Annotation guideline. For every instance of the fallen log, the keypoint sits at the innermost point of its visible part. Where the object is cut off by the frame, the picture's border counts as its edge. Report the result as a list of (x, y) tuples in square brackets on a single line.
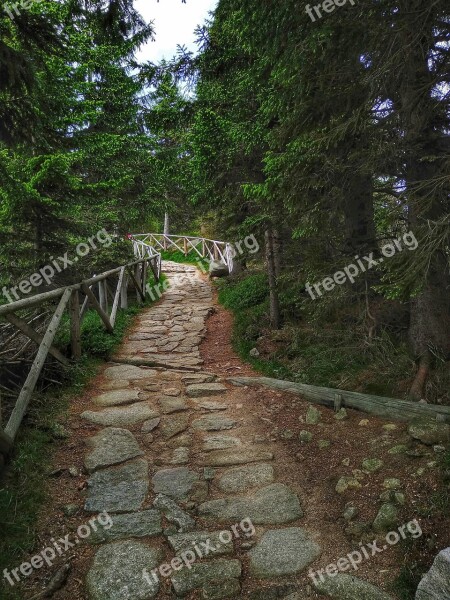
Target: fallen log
[(389, 408)]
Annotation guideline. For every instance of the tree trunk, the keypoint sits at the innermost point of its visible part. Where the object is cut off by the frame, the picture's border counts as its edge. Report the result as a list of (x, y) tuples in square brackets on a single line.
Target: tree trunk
[(275, 320), (166, 223), (430, 309), (277, 247)]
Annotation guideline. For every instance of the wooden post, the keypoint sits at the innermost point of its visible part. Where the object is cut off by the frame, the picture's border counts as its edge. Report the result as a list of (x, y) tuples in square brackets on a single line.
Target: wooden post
[(137, 280), (105, 293), (117, 297), (124, 293), (95, 303), (101, 295), (144, 275), (75, 328), (25, 394), (185, 247), (203, 248), (140, 294)]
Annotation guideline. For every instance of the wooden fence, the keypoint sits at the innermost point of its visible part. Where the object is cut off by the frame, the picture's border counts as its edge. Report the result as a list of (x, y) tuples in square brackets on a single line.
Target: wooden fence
[(98, 294), (212, 250), (387, 408)]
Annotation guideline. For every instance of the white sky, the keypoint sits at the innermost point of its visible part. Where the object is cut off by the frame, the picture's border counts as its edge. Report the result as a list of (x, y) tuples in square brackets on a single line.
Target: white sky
[(174, 23)]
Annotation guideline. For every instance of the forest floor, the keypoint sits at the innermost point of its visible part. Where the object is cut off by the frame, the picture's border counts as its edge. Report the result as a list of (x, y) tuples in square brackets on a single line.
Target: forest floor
[(174, 453)]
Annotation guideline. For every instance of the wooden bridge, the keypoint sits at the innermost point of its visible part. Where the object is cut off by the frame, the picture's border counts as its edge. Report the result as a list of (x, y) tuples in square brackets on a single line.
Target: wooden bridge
[(110, 288), (211, 250)]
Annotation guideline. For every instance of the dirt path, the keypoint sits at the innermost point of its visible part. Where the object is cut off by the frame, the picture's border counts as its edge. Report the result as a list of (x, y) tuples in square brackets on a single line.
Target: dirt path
[(186, 486)]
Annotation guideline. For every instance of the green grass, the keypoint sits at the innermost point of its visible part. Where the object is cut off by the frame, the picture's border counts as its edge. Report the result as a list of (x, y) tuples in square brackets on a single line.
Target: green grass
[(191, 259), (95, 340), (248, 299)]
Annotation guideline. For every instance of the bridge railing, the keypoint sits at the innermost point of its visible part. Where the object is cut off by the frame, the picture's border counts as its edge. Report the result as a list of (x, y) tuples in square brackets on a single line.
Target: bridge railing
[(69, 298), (211, 250)]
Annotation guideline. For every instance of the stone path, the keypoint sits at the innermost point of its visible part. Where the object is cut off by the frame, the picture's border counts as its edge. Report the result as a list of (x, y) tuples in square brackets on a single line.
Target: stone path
[(197, 507)]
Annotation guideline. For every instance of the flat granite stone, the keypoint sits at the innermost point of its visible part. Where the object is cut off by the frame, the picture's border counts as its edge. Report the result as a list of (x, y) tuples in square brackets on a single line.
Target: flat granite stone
[(429, 432), (114, 384), (117, 417), (111, 446), (210, 405), (146, 523), (183, 440), (218, 591), (175, 483), (171, 426), (197, 378), (348, 587), (436, 583), (234, 456), (118, 489), (198, 390), (186, 541), (282, 552), (129, 372), (244, 478), (200, 574), (116, 572), (172, 391), (174, 514), (116, 397), (220, 442), (213, 423), (150, 425), (275, 593), (271, 505), (171, 404)]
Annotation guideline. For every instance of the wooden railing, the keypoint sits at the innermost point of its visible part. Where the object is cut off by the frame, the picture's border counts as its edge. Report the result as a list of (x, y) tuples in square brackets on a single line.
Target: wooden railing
[(209, 249), (69, 298)]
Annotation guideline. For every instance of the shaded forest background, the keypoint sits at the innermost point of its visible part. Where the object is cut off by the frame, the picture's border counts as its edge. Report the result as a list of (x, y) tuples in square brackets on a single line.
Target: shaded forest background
[(325, 140)]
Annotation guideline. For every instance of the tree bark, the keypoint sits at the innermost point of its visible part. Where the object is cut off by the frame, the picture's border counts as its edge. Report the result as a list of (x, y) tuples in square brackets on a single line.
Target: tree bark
[(166, 224), (430, 309), (275, 319)]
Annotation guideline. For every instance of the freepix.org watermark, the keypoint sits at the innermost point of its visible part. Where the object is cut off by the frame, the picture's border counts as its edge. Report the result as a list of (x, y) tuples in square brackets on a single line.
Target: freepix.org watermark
[(366, 551), (48, 555), (327, 6), (57, 265), (13, 10), (352, 271), (200, 549)]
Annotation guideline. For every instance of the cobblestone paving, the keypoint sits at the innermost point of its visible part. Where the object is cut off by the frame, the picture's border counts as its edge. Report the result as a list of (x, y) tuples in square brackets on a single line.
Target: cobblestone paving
[(174, 467)]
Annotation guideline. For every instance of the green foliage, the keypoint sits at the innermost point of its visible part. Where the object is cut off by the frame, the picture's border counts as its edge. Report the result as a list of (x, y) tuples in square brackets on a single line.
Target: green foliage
[(405, 585), (192, 258), (250, 291), (247, 298)]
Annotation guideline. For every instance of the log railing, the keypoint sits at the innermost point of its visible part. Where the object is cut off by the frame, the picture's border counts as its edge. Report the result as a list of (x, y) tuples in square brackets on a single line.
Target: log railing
[(95, 291), (211, 250)]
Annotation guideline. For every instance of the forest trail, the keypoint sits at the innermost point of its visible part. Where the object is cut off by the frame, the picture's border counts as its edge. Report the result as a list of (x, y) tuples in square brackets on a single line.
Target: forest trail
[(210, 476), (189, 492)]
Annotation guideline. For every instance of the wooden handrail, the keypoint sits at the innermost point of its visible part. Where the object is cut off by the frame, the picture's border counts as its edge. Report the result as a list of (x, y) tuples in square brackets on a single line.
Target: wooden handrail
[(53, 294), (213, 250), (45, 342)]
